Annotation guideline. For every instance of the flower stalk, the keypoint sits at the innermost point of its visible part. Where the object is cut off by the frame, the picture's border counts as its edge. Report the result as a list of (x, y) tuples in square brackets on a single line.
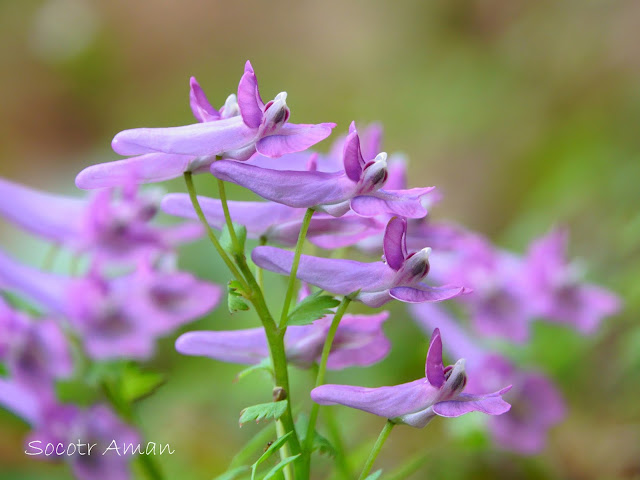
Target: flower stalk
[(382, 438)]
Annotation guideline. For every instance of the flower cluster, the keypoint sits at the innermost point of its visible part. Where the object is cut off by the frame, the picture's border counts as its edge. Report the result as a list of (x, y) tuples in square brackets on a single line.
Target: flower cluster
[(353, 199)]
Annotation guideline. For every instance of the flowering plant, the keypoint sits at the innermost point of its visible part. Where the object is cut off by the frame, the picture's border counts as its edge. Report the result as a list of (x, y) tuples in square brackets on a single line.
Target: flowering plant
[(94, 326)]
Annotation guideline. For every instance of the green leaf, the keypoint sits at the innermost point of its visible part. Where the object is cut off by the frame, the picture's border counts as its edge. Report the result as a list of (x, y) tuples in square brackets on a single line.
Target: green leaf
[(375, 475), (232, 474), (271, 473), (273, 448), (263, 411), (320, 443), (136, 384), (263, 365), (76, 391), (225, 238), (235, 299), (312, 308)]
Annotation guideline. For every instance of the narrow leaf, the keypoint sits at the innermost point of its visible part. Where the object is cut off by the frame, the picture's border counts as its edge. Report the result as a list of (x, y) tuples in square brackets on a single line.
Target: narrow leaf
[(232, 474), (263, 411), (241, 235), (312, 308), (137, 384), (274, 447), (375, 475), (271, 473), (263, 365)]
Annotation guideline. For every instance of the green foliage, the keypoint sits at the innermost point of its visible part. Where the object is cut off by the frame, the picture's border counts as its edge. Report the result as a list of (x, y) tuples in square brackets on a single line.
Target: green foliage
[(235, 297), (311, 308), (136, 384), (274, 447), (76, 391), (263, 411), (375, 475), (320, 443), (232, 474), (263, 365), (272, 473), (225, 238)]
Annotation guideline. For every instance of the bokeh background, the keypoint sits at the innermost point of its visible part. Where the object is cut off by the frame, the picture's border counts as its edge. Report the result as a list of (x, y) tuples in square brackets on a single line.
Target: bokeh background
[(525, 114)]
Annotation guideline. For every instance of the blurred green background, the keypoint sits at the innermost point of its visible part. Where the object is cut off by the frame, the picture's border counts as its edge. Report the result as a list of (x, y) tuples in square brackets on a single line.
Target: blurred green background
[(525, 114)]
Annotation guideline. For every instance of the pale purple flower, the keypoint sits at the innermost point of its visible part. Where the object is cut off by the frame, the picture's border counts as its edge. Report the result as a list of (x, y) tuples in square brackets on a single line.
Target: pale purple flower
[(119, 317), (277, 223), (416, 403), (112, 224), (54, 423), (35, 352), (557, 287), (359, 186), (537, 405), (399, 276), (241, 128), (359, 341)]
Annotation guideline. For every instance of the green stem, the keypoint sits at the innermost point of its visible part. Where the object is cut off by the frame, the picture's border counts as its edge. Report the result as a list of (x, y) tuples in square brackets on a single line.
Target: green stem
[(294, 267), (376, 449), (284, 451), (322, 370), (196, 205), (227, 217), (338, 443)]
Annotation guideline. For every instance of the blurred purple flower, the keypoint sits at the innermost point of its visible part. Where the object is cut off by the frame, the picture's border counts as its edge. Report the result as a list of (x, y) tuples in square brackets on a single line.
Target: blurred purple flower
[(35, 352), (118, 317), (113, 225), (399, 276), (358, 187), (537, 405), (359, 341), (277, 223), (237, 131), (416, 403), (558, 290)]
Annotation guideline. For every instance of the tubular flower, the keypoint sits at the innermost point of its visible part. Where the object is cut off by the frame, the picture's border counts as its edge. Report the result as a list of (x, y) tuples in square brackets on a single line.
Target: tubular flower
[(399, 276), (358, 187), (244, 126), (275, 222), (416, 403), (359, 341), (537, 405), (114, 224), (120, 317)]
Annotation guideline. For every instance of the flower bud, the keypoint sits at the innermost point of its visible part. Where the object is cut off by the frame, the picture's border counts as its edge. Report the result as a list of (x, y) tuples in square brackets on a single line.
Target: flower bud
[(374, 174), (415, 268)]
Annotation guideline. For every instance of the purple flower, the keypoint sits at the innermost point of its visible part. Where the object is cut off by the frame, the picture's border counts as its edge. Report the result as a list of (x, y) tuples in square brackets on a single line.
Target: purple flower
[(277, 223), (35, 352), (359, 341), (399, 276), (112, 224), (239, 130), (556, 286), (536, 403), (416, 403), (118, 317), (358, 187)]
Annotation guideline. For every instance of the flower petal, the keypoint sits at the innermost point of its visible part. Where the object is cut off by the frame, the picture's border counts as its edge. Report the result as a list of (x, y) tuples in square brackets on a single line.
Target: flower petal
[(387, 402), (334, 275), (149, 168), (200, 106), (235, 346), (395, 242), (249, 100), (352, 157), (359, 341), (491, 404), (293, 138), (54, 217), (434, 368), (20, 401), (425, 293), (200, 139), (404, 203), (292, 188)]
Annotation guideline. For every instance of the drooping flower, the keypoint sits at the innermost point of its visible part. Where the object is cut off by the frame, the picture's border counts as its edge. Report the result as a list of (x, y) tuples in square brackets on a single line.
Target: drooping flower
[(536, 403), (277, 223), (399, 276), (359, 341), (118, 317), (69, 427), (416, 403), (35, 352), (112, 224), (558, 290), (239, 130), (358, 187)]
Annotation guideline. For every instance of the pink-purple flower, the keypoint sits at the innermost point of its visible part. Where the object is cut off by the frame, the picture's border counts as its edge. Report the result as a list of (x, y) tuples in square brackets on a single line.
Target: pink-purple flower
[(439, 393)]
